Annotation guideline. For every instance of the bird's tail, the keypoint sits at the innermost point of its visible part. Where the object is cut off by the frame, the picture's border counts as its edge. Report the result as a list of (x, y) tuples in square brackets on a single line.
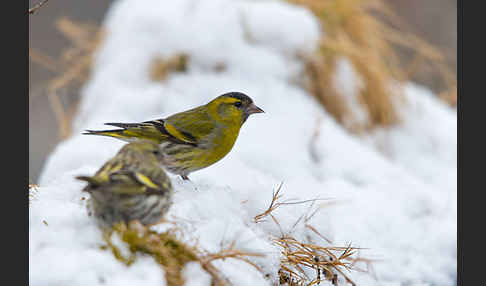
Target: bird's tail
[(130, 132), (118, 133), (91, 180)]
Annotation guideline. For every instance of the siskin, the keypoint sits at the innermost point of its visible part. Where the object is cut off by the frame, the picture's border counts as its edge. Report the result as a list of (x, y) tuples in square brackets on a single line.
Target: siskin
[(193, 139), (130, 186)]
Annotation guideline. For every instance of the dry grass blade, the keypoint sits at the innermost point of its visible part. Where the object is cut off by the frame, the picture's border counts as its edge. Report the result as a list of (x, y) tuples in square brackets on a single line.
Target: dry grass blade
[(37, 6), (311, 228)]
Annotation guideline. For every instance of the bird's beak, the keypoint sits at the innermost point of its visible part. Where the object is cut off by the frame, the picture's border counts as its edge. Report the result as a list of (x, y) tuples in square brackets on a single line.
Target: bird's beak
[(252, 108)]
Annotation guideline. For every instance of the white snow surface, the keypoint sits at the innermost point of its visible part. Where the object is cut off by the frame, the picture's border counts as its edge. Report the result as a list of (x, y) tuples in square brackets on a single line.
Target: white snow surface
[(394, 191)]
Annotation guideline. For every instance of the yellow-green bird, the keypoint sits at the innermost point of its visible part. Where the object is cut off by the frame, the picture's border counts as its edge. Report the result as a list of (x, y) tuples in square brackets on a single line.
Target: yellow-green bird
[(193, 139), (130, 186)]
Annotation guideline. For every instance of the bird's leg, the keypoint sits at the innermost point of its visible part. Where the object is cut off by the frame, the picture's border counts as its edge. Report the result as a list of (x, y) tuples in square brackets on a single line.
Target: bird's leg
[(185, 178)]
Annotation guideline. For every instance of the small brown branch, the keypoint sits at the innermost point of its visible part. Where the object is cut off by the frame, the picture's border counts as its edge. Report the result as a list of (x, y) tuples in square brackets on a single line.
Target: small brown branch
[(37, 6), (272, 207), (274, 204)]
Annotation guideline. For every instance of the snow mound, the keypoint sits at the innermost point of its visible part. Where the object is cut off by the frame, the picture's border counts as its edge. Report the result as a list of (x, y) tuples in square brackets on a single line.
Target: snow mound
[(395, 189)]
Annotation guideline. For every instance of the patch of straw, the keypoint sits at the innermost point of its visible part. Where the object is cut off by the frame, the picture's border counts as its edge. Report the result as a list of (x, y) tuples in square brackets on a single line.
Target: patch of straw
[(353, 31), (161, 67), (171, 253), (328, 262), (449, 96), (72, 68)]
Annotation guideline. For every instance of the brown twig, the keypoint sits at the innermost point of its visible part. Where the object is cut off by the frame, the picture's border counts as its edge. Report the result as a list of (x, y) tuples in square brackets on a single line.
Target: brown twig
[(37, 6), (274, 204)]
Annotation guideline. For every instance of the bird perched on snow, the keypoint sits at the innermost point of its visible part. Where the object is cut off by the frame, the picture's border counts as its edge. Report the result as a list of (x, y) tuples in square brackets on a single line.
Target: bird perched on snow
[(193, 139), (130, 186)]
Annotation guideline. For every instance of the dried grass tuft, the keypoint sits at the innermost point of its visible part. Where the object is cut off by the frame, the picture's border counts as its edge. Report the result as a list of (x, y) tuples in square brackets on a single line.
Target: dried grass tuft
[(328, 262), (161, 67), (171, 253), (70, 70), (76, 61), (366, 33), (449, 96)]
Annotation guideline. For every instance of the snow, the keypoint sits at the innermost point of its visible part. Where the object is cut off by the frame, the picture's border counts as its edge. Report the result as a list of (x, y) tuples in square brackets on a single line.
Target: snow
[(392, 192)]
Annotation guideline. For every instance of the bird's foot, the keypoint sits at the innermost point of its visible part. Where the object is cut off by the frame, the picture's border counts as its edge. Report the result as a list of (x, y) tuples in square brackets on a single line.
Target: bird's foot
[(185, 178)]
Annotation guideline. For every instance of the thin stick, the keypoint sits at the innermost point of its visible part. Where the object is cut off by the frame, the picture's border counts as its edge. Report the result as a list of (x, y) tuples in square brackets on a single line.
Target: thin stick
[(37, 6)]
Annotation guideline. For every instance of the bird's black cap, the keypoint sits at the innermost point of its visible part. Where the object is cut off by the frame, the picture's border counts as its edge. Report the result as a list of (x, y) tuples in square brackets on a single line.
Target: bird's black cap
[(238, 95)]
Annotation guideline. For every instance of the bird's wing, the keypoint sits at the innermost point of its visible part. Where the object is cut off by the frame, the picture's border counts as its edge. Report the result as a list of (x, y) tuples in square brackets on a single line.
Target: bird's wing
[(102, 176), (119, 177), (190, 126), (158, 130), (134, 182), (151, 130)]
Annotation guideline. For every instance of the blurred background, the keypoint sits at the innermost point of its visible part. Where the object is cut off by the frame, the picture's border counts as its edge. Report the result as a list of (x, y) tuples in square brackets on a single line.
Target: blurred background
[(64, 34)]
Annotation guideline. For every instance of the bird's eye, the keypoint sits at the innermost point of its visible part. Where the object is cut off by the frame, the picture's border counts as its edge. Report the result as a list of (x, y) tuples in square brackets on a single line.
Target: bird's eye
[(238, 104), (156, 152)]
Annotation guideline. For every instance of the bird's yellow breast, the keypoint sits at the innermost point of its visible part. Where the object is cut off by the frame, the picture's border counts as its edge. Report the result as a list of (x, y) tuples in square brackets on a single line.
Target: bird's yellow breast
[(220, 145)]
